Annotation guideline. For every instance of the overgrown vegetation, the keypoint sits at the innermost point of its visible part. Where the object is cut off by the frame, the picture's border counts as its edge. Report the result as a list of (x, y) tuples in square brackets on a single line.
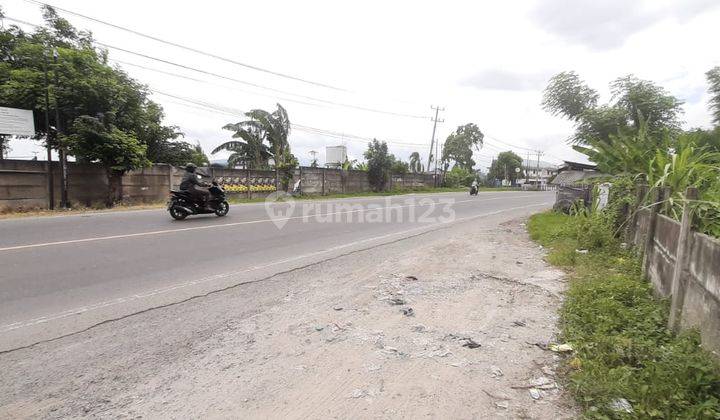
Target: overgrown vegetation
[(637, 134), (622, 348)]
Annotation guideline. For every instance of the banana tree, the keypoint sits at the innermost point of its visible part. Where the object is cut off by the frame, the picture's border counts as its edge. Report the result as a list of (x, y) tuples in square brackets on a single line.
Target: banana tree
[(415, 165)]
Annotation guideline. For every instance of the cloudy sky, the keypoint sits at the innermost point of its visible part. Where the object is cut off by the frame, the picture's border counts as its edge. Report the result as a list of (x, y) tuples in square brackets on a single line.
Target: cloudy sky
[(484, 62)]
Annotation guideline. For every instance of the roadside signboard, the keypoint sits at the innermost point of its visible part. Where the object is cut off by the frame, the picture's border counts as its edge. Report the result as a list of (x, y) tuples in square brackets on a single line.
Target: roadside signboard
[(16, 122)]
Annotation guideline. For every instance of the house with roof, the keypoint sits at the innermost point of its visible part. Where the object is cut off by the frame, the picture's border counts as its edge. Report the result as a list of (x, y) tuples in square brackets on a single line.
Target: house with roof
[(537, 173), (570, 173)]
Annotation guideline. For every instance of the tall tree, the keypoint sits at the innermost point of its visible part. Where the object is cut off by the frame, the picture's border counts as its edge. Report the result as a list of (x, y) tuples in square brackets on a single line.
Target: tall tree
[(504, 167), (567, 95), (379, 163), (459, 146), (101, 141), (633, 100), (713, 76), (87, 85)]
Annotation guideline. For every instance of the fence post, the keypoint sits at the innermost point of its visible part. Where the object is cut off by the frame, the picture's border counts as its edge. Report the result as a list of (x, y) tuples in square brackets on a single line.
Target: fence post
[(640, 192), (342, 180), (657, 197), (678, 285), (323, 181), (170, 176), (247, 183)]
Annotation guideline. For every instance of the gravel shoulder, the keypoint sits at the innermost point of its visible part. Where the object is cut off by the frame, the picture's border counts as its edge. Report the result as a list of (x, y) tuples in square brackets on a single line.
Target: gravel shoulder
[(384, 333)]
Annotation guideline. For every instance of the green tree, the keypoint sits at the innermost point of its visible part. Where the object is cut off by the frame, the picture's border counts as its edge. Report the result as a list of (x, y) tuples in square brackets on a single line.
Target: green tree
[(362, 166), (399, 167), (459, 177), (568, 96), (633, 101), (180, 153), (504, 167), (459, 146), (379, 163), (87, 86), (713, 76), (102, 142), (416, 165)]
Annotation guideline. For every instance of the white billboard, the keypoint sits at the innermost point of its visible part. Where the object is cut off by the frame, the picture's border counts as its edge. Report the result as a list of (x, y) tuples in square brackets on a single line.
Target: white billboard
[(16, 122)]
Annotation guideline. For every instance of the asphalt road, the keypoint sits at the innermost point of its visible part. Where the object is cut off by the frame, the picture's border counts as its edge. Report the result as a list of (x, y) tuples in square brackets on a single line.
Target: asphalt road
[(60, 275)]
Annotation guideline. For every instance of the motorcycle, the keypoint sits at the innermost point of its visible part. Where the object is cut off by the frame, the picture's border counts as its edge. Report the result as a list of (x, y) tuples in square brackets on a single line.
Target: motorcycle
[(183, 204), (474, 190)]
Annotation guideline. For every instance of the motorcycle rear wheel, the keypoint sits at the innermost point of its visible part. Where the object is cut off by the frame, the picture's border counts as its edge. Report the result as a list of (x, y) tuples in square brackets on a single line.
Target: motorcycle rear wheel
[(178, 213), (222, 209)]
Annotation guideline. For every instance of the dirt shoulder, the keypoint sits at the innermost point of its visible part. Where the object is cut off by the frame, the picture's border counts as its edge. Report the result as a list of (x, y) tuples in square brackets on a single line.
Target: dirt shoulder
[(335, 339)]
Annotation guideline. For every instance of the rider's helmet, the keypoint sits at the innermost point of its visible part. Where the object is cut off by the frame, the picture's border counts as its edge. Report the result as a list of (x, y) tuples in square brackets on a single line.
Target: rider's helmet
[(190, 167)]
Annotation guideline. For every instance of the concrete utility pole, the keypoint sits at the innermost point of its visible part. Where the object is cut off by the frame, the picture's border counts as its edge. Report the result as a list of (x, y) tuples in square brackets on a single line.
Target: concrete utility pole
[(50, 180), (58, 130), (432, 140), (527, 168), (537, 173)]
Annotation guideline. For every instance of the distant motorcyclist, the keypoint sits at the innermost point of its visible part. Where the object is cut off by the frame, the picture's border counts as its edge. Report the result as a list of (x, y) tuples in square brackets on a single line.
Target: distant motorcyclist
[(192, 184)]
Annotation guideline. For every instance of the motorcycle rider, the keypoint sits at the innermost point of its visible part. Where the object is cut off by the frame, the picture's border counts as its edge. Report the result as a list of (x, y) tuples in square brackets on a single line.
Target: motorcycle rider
[(191, 183)]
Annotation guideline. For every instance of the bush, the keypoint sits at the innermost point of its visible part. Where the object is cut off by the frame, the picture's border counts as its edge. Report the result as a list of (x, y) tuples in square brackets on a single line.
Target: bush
[(459, 177)]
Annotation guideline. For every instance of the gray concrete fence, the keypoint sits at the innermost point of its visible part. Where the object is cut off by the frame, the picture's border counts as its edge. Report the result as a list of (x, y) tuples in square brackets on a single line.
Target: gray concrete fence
[(23, 183)]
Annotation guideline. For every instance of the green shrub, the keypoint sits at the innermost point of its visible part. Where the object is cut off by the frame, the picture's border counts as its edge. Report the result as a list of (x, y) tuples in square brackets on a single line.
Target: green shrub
[(618, 330)]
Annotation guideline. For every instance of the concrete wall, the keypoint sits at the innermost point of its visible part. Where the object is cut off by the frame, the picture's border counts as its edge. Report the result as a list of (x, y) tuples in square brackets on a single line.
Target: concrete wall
[(700, 278), (23, 183)]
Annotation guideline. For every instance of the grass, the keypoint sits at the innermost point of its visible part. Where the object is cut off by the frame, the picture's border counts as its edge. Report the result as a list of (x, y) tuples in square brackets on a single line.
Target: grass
[(618, 330)]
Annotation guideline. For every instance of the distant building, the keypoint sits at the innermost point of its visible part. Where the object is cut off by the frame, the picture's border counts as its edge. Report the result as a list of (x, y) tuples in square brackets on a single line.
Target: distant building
[(335, 156), (570, 173), (537, 173)]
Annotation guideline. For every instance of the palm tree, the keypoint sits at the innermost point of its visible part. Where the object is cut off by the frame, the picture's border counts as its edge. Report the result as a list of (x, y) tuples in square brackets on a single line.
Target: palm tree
[(415, 165)]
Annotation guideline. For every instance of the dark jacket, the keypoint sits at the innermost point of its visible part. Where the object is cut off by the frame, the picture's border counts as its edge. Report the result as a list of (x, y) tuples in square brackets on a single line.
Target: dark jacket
[(189, 181)]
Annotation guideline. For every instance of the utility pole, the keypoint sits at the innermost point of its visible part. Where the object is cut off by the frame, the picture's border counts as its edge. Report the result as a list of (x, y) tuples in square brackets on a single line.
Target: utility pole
[(58, 130), (50, 180), (537, 177), (432, 140), (527, 168)]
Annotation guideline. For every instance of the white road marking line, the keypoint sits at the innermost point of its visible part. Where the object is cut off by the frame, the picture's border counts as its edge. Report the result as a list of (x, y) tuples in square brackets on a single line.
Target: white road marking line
[(100, 305), (166, 231)]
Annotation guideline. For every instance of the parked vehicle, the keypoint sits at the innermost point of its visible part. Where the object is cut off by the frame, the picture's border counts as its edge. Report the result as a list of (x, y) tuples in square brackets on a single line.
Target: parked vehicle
[(183, 204)]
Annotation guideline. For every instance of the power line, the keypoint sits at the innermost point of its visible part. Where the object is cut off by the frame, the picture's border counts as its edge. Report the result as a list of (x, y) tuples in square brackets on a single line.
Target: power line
[(232, 79), (508, 144), (125, 63), (195, 50), (197, 104)]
